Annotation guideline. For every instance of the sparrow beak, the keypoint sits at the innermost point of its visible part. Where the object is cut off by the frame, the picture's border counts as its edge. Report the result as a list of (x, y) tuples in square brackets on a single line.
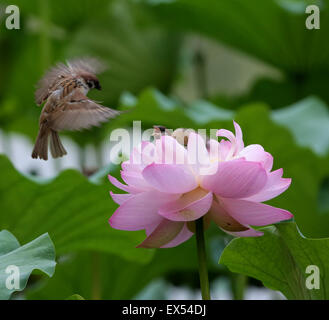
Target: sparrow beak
[(98, 86)]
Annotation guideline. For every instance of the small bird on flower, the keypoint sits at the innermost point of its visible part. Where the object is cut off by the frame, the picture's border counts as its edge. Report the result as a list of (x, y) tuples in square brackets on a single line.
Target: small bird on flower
[(180, 134), (64, 88)]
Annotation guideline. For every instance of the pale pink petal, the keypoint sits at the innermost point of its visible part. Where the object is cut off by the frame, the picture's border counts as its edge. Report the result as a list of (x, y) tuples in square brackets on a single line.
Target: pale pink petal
[(268, 162), (236, 179), (189, 207), (248, 233), (223, 219), (197, 152), (225, 150), (130, 166), (230, 136), (169, 151), (236, 140), (213, 148), (141, 156), (274, 186), (122, 186), (164, 233), (147, 149), (238, 136), (170, 178), (255, 152), (218, 151), (183, 236), (136, 180), (254, 213), (227, 134), (120, 198), (140, 211)]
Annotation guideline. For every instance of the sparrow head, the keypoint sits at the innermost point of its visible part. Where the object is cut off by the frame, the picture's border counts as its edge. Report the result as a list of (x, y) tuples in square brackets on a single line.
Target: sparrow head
[(159, 131), (91, 81)]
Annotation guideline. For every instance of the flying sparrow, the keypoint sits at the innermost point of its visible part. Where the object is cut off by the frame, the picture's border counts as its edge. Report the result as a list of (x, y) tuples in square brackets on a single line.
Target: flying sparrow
[(67, 107)]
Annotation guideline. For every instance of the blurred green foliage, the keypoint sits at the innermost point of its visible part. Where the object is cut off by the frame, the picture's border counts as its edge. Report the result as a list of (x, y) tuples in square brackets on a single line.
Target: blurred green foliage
[(73, 210), (273, 31)]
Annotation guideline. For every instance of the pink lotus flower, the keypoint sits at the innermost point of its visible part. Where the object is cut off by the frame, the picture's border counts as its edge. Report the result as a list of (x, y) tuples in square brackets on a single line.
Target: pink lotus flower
[(167, 190)]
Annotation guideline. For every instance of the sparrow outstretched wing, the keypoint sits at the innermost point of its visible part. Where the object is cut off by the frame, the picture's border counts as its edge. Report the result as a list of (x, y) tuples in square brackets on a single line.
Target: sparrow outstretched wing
[(61, 72), (79, 112)]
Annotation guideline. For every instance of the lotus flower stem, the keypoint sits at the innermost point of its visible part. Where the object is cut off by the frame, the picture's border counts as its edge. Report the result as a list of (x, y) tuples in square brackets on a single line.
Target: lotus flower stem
[(202, 259)]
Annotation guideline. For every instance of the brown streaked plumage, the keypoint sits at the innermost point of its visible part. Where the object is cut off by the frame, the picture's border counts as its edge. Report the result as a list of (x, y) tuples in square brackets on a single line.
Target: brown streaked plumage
[(64, 89)]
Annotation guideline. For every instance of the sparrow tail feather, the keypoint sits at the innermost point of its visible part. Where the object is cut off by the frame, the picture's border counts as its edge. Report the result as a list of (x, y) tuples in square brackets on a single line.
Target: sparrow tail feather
[(56, 147), (41, 145)]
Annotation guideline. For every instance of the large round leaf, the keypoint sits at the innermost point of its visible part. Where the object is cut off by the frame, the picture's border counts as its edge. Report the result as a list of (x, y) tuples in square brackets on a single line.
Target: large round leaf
[(19, 261)]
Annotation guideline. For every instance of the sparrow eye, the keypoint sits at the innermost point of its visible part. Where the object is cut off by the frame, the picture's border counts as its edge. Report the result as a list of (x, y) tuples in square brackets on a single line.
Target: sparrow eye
[(90, 84)]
